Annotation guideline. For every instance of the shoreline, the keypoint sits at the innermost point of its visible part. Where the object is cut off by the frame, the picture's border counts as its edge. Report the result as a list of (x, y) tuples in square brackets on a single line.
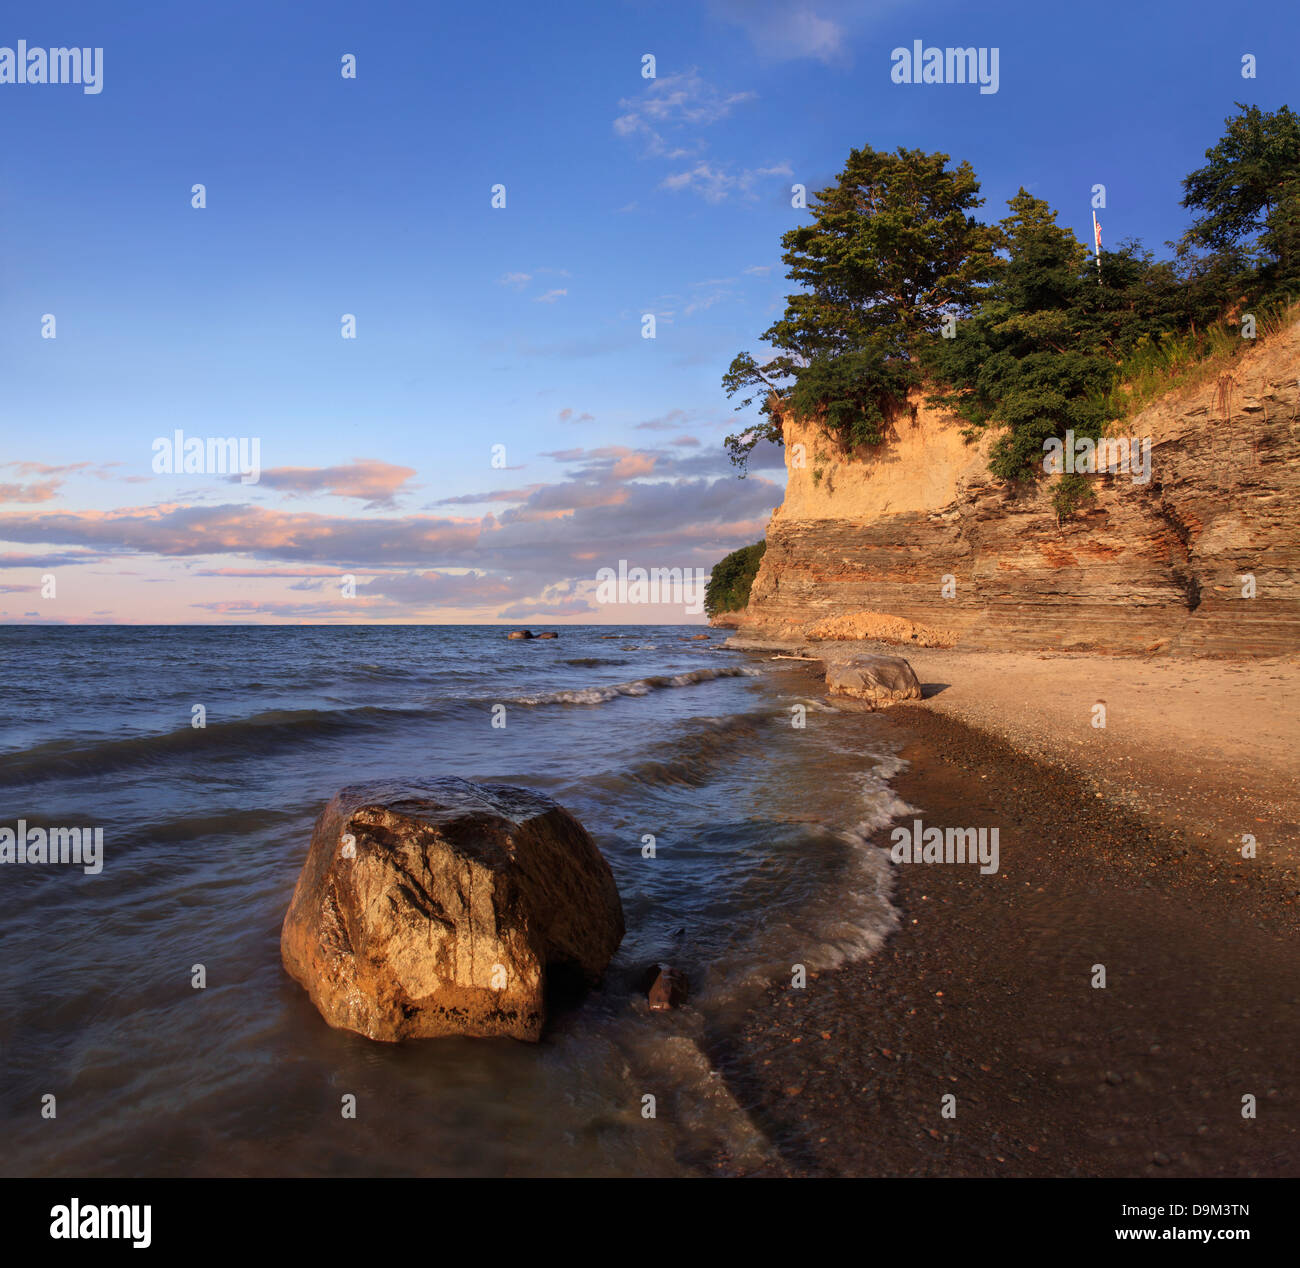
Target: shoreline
[(986, 989)]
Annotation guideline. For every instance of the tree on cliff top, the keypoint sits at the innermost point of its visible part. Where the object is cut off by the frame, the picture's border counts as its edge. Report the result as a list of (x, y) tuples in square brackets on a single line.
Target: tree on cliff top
[(1041, 352), (1028, 357), (891, 249), (1248, 195)]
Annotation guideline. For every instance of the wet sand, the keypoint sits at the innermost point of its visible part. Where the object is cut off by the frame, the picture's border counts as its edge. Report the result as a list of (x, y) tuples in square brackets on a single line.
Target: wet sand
[(986, 992)]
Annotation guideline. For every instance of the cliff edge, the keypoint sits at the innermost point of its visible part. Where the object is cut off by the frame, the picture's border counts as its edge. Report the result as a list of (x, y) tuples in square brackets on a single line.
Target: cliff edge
[(917, 530)]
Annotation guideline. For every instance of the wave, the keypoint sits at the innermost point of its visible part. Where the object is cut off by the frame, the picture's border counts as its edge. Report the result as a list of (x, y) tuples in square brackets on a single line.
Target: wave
[(698, 750), (639, 687), (259, 733)]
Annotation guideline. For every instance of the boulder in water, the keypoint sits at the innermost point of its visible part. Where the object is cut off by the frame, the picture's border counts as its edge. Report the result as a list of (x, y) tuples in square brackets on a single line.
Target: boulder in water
[(443, 908), (550, 635), (520, 634), (878, 680)]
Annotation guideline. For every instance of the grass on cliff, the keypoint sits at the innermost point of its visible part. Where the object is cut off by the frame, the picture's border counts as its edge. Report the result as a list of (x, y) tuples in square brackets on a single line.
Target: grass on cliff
[(1158, 366)]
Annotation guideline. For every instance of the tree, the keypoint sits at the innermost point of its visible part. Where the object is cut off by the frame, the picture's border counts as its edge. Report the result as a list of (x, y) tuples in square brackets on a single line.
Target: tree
[(891, 249), (1248, 196), (732, 579), (1028, 358)]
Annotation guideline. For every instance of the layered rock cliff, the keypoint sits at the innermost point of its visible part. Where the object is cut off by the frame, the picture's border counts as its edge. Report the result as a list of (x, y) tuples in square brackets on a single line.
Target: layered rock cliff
[(917, 528)]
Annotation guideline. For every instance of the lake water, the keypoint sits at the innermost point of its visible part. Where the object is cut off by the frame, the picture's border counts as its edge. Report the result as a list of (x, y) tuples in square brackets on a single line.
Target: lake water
[(762, 863)]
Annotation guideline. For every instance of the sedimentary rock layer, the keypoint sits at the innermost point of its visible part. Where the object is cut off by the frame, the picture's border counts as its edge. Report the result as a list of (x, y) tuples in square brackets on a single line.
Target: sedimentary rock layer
[(918, 528)]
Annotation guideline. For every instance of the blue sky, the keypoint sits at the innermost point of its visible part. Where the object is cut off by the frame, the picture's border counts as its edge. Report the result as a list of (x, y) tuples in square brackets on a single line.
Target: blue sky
[(476, 326)]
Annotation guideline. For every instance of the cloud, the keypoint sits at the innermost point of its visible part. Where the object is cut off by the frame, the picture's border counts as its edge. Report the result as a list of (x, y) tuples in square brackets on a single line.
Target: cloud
[(517, 280), (494, 495), (282, 610), (716, 182), (36, 491), (551, 296), (569, 416), (443, 589), (676, 506), (786, 30), (266, 572), (45, 468), (673, 103), (180, 531), (368, 480), (670, 421), (64, 559), (540, 607)]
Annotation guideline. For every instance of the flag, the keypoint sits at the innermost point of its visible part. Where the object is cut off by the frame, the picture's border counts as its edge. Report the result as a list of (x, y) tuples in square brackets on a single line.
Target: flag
[(1096, 231)]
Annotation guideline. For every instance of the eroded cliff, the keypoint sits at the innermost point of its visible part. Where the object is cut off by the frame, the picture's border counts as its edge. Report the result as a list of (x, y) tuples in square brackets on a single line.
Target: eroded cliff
[(917, 528)]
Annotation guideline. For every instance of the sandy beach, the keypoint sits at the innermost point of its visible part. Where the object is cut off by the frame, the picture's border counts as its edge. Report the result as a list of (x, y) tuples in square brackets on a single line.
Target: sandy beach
[(1119, 847)]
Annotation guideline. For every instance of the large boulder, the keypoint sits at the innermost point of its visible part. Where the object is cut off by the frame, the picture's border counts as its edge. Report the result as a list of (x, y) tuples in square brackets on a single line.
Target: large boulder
[(440, 908), (878, 680)]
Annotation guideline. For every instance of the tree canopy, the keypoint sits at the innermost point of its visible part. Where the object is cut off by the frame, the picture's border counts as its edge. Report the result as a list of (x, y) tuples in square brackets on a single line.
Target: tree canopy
[(1009, 324), (892, 246)]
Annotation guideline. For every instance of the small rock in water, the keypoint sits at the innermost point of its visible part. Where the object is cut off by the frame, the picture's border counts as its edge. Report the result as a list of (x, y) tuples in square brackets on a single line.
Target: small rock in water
[(520, 634), (550, 635), (668, 988)]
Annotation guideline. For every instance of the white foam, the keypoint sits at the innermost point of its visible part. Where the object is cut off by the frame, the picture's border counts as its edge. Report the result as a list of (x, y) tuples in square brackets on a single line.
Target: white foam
[(640, 687)]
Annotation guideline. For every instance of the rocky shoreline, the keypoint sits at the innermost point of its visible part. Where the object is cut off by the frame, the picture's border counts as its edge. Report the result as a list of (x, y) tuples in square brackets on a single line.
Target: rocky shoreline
[(987, 993)]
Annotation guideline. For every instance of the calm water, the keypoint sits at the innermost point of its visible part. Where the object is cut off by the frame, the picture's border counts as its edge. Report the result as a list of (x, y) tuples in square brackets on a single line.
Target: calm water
[(762, 863)]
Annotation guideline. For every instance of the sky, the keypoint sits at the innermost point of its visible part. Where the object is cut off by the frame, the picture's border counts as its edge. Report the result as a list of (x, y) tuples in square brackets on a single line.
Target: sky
[(499, 429)]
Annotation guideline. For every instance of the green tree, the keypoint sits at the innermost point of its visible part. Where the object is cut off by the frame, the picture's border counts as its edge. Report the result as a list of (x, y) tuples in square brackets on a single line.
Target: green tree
[(1248, 197), (893, 246), (1031, 357), (731, 580)]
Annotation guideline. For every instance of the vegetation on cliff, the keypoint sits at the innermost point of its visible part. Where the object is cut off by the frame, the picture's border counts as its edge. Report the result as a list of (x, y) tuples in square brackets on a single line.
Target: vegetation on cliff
[(729, 585), (1016, 324)]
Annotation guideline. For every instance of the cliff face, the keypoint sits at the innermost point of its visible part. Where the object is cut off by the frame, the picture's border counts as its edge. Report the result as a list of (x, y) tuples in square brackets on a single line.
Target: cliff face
[(1145, 564)]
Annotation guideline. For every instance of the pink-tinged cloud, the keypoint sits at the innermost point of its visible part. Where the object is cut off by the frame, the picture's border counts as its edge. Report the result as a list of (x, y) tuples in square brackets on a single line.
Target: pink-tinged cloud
[(46, 468), (37, 491), (368, 480), (250, 530)]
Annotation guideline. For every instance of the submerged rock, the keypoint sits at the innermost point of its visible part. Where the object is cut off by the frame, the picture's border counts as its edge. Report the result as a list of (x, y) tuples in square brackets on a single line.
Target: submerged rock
[(442, 908), (520, 634), (549, 635), (667, 988), (879, 680)]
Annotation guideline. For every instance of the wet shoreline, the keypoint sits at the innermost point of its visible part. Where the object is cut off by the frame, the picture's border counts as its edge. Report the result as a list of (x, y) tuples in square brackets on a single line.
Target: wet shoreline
[(987, 994)]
